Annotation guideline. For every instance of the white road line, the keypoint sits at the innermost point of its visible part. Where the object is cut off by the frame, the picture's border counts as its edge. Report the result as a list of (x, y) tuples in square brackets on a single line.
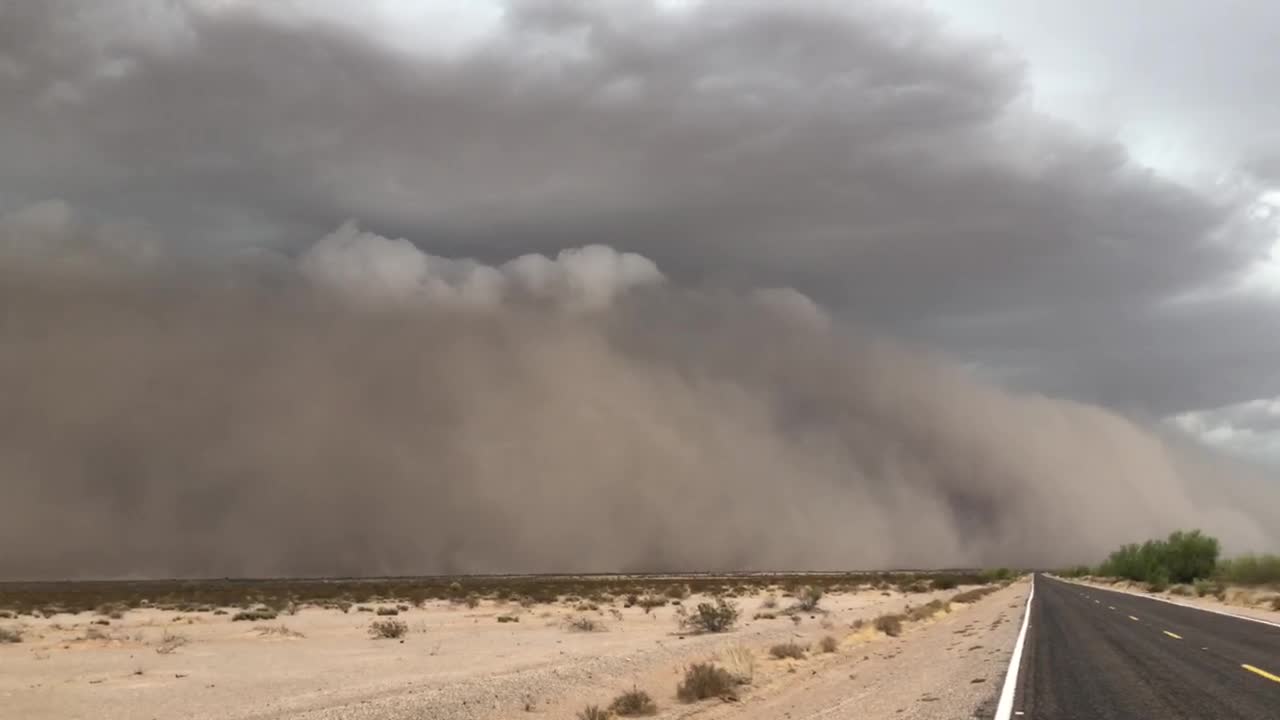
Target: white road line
[(1004, 710), (1179, 604)]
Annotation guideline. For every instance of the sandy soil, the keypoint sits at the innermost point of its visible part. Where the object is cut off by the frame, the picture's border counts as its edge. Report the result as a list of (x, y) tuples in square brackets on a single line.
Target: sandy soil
[(459, 663)]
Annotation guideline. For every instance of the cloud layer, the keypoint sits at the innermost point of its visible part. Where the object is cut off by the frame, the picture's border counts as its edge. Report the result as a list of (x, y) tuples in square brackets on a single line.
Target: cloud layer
[(597, 293), (208, 428)]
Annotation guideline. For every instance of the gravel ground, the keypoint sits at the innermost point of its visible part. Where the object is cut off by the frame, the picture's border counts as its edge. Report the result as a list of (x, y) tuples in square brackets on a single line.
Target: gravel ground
[(949, 668), (456, 663)]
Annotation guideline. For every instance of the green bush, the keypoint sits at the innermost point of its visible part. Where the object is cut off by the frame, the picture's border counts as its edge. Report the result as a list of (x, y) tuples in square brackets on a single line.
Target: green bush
[(712, 618), (1250, 570), (1182, 558)]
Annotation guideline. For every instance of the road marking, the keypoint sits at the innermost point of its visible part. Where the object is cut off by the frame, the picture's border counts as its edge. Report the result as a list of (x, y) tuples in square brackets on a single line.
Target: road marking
[(1261, 672), (1134, 619), (1175, 636), (1098, 602), (1111, 607), (1004, 709), (1179, 604)]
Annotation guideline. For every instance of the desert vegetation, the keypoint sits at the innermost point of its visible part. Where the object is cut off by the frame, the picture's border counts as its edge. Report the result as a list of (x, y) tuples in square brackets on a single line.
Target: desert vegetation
[(788, 650), (633, 703), (706, 680), (388, 629), (716, 617), (1186, 560), (112, 599)]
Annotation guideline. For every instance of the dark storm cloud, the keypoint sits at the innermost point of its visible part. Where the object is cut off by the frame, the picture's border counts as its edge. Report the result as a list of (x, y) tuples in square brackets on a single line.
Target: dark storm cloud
[(855, 152)]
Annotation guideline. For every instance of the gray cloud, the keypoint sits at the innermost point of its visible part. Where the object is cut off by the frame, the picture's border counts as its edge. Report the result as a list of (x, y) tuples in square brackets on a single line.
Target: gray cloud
[(894, 172), (859, 152)]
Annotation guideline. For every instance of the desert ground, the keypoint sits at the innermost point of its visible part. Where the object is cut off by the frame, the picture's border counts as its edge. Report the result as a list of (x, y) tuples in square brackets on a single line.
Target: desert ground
[(877, 647)]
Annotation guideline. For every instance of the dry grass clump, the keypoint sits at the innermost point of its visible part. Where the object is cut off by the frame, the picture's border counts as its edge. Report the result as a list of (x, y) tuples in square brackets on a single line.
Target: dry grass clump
[(9, 635), (633, 703), (254, 615), (808, 598), (928, 610), (890, 625), (594, 712), (710, 618), (282, 630), (770, 602), (740, 662), (678, 592), (388, 629), (388, 611), (171, 642), (974, 595), (508, 619), (705, 680), (583, 624), (828, 644), (115, 611), (792, 650)]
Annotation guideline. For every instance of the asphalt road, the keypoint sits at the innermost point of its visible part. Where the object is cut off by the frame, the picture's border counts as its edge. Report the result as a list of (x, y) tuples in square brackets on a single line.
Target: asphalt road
[(1106, 655)]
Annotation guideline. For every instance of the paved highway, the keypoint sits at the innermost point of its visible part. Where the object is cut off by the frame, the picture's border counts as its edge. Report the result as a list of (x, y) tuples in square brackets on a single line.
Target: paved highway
[(1107, 655)]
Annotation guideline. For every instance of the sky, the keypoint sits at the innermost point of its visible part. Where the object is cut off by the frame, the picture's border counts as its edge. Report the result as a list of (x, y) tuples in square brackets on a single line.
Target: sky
[(1076, 200)]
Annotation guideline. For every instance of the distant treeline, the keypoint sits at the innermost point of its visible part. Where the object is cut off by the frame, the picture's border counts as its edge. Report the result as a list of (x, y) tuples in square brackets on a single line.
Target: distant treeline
[(1184, 557)]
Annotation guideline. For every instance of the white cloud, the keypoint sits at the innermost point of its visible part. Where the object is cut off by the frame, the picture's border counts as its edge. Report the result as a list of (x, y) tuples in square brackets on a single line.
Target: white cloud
[(1250, 429), (373, 267)]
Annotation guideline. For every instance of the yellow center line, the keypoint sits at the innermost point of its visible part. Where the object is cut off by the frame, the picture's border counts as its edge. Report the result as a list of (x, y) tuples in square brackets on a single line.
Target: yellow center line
[(1175, 636), (1134, 619), (1263, 673)]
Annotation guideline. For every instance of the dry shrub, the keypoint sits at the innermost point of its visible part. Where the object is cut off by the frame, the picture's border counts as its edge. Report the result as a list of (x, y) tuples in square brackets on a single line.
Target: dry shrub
[(593, 712), (705, 680), (388, 611), (809, 598), (584, 624), (711, 618), (388, 629), (508, 619), (282, 630), (633, 703), (740, 662), (928, 610), (256, 614), (890, 625), (792, 650), (171, 642), (651, 601), (770, 602), (974, 595), (764, 616), (828, 644)]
